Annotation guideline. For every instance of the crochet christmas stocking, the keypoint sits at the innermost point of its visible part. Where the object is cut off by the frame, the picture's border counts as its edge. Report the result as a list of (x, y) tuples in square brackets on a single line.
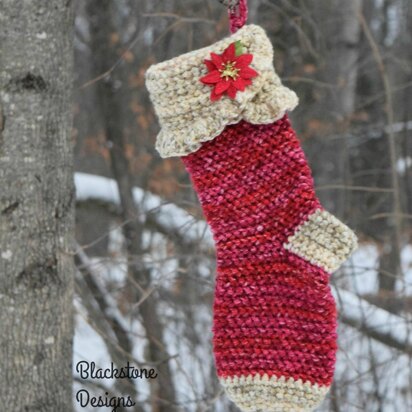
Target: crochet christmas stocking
[(223, 110)]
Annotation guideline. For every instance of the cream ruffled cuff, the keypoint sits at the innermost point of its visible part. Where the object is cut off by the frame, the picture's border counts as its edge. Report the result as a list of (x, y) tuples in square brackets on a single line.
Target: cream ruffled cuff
[(182, 102)]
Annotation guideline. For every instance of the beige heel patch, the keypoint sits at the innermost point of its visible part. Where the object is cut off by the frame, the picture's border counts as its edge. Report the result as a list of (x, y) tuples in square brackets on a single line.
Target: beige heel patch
[(323, 240)]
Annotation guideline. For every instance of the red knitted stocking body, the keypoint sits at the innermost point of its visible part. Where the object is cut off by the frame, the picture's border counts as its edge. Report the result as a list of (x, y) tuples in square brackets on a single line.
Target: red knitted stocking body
[(274, 314)]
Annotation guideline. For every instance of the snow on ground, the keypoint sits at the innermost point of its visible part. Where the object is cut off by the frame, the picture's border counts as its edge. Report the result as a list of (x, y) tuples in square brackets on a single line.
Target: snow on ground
[(361, 269), (403, 164), (379, 320), (191, 364), (87, 346), (365, 370), (405, 287)]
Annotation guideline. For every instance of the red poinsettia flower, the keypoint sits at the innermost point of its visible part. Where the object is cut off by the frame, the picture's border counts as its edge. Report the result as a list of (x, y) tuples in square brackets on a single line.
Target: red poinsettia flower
[(229, 73)]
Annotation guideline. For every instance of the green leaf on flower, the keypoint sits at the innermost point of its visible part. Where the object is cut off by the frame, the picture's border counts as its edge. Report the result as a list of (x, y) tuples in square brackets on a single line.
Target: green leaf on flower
[(239, 47)]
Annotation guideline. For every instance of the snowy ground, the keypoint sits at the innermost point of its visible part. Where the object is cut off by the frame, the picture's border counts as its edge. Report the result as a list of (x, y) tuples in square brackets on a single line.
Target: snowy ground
[(365, 371)]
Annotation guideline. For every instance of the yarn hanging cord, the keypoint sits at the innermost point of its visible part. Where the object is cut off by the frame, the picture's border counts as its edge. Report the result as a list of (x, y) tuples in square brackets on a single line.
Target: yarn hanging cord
[(237, 10)]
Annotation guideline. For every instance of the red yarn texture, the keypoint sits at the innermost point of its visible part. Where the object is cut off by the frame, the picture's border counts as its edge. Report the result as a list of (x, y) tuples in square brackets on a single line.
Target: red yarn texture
[(273, 311)]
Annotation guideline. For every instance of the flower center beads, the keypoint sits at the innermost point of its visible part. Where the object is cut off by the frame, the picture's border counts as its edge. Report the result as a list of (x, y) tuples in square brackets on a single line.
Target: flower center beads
[(229, 71)]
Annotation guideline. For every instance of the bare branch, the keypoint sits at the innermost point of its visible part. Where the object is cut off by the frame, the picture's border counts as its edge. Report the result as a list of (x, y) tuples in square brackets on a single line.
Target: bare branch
[(373, 321)]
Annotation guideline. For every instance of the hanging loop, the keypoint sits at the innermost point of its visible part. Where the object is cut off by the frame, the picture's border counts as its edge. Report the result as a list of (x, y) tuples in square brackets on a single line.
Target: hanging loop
[(238, 16), (237, 10)]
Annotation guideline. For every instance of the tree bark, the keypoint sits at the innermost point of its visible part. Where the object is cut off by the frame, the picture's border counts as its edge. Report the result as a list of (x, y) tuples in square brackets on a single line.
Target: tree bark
[(36, 205)]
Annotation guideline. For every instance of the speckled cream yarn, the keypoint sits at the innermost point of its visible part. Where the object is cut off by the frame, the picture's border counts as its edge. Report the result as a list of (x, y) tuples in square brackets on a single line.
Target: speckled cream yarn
[(182, 103), (269, 393), (274, 322), (322, 240)]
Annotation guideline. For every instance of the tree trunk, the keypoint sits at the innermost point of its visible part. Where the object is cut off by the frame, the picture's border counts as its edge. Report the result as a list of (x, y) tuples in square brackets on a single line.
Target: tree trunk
[(342, 64), (36, 205), (113, 94)]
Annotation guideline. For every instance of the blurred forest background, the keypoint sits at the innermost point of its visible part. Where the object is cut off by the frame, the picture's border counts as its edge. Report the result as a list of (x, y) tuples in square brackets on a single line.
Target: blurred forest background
[(144, 286)]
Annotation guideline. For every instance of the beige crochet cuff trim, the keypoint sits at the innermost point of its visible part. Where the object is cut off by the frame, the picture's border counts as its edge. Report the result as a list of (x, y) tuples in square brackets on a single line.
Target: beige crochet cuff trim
[(182, 103)]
